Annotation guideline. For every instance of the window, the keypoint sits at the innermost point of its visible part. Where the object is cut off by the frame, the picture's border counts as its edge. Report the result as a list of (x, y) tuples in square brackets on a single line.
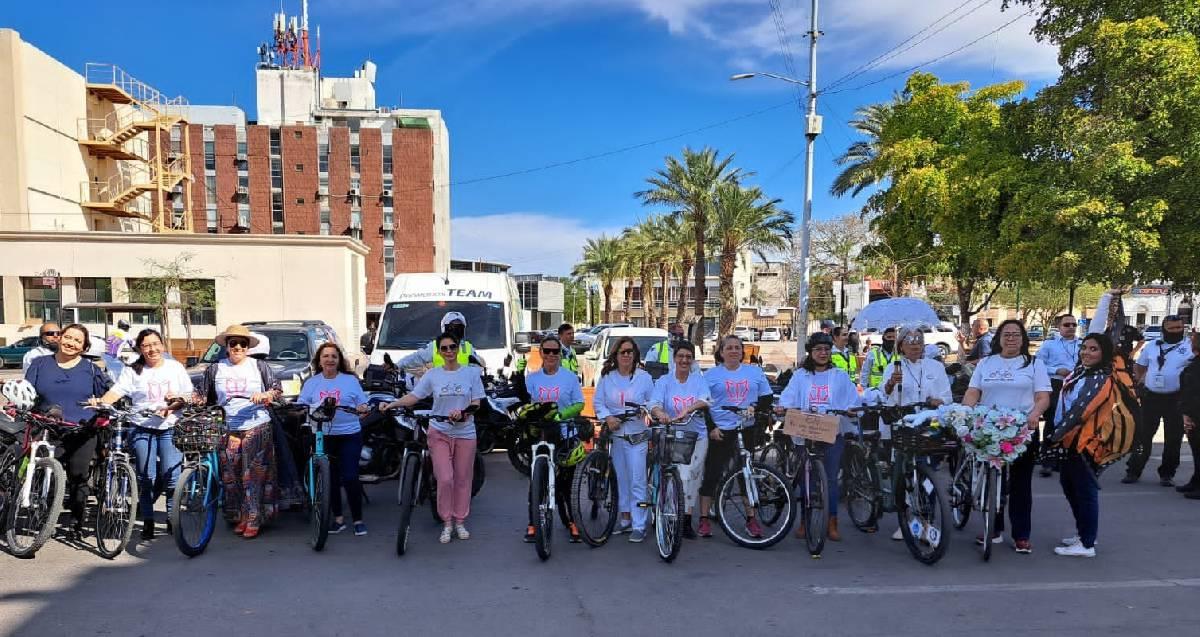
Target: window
[(200, 297), (355, 160), (210, 189), (144, 291), (274, 136), (210, 155), (387, 160), (276, 172), (1154, 320), (323, 157), (42, 302), (210, 218), (389, 260), (241, 148), (298, 134), (93, 290), (299, 168), (277, 212), (1141, 318)]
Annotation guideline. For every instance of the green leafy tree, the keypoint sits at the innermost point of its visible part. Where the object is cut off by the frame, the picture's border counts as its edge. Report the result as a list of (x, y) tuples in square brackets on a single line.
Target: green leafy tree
[(602, 261), (172, 285)]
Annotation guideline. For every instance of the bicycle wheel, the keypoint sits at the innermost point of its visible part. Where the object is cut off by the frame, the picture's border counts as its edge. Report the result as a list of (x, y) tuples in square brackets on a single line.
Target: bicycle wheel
[(194, 508), (772, 502), (773, 454), (117, 502), (539, 506), (479, 476), (31, 523), (814, 505), (923, 513), (594, 498), (860, 488), (518, 455), (991, 491), (408, 497), (319, 516), (668, 515), (961, 493)]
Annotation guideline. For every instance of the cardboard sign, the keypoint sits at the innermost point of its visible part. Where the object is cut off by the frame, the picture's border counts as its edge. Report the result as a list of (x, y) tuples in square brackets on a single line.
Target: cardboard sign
[(819, 427)]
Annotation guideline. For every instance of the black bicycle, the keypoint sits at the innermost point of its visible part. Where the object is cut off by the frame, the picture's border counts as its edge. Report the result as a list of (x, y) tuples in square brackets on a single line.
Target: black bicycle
[(594, 493)]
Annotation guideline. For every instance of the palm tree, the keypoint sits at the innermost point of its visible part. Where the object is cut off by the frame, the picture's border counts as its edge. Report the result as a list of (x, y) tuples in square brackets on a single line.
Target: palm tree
[(602, 261), (680, 256), (862, 170), (636, 248), (744, 219), (688, 187), (661, 230)]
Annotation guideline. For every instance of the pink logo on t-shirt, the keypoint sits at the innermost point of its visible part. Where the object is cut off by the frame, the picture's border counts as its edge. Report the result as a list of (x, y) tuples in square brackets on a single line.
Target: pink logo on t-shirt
[(818, 395), (335, 394), (682, 402), (737, 390), (236, 386), (157, 390), (547, 395)]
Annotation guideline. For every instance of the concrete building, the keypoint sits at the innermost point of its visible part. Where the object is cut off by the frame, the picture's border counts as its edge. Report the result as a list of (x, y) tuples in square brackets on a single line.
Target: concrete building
[(542, 300), (635, 310), (479, 266)]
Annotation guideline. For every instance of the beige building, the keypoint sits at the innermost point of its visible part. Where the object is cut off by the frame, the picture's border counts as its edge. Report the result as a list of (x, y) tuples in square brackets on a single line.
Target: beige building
[(635, 311), (254, 277)]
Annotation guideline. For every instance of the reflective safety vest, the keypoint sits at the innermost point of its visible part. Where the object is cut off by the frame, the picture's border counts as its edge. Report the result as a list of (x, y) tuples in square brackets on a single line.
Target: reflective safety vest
[(662, 351), (464, 354), (569, 361), (879, 364), (847, 362)]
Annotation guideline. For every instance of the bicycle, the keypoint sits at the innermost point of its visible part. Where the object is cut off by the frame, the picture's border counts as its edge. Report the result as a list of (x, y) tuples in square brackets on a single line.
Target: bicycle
[(976, 486), (753, 490), (117, 497), (32, 481), (594, 493), (804, 466), (317, 477), (199, 432), (543, 503), (895, 479), (664, 486)]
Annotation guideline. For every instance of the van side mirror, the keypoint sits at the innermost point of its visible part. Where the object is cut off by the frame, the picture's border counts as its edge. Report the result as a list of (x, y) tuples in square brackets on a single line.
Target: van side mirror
[(508, 360), (522, 348), (193, 361)]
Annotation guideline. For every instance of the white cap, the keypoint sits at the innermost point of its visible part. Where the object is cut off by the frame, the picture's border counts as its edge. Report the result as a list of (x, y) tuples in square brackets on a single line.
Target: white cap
[(450, 317)]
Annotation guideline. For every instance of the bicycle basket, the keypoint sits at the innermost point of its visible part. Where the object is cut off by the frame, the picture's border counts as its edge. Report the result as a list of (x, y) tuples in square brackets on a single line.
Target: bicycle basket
[(679, 447), (924, 440), (199, 430)]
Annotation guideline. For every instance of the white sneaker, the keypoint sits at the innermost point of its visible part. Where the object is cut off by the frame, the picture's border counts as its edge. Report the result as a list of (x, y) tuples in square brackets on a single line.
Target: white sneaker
[(898, 535), (1075, 550), (461, 532), (445, 536), (1070, 541)]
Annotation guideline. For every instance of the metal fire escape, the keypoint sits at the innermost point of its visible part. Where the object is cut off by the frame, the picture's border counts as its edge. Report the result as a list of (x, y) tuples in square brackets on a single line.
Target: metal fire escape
[(145, 135)]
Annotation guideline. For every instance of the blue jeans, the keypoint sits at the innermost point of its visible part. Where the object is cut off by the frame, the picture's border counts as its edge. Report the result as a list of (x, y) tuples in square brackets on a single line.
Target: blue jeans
[(157, 463), (833, 463), (1083, 494)]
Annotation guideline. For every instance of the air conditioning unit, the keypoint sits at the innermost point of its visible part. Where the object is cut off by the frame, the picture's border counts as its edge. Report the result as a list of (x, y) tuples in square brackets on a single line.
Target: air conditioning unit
[(353, 192), (241, 157), (386, 194), (243, 191), (355, 224), (387, 226)]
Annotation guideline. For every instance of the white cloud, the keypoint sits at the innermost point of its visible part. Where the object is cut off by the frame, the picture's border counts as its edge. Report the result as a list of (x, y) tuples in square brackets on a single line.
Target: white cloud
[(520, 240), (855, 30)]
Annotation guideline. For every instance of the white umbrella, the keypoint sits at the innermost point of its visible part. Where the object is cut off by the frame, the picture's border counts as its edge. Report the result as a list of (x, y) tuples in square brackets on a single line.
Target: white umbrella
[(885, 313)]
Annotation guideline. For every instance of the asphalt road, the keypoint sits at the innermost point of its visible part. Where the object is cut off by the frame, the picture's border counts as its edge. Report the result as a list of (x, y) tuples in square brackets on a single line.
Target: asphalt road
[(1145, 580)]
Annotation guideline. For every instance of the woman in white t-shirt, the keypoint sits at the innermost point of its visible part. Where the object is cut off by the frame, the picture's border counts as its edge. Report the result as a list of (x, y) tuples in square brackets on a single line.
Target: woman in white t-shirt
[(454, 387), (150, 383), (684, 393), (1013, 379), (621, 382)]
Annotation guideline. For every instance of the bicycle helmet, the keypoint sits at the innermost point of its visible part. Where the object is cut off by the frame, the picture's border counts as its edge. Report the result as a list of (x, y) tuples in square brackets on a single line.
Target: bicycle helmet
[(575, 455), (20, 393), (819, 338)]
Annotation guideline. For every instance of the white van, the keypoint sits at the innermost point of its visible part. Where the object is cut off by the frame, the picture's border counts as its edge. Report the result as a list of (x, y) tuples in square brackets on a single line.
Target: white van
[(415, 305)]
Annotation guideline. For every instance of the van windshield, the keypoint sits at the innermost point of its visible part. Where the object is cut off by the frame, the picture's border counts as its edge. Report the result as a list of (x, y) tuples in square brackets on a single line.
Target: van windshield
[(412, 325)]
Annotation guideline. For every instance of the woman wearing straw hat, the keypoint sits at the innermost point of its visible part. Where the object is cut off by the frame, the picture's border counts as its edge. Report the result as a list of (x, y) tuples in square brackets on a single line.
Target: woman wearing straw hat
[(244, 387)]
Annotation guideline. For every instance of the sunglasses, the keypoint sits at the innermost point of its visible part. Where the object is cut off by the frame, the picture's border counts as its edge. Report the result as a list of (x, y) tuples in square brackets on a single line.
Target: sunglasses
[(237, 343), (1069, 324), (626, 352), (51, 333), (448, 348), (551, 352)]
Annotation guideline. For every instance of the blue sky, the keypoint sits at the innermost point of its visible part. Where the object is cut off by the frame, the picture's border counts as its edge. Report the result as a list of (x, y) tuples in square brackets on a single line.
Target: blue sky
[(525, 83)]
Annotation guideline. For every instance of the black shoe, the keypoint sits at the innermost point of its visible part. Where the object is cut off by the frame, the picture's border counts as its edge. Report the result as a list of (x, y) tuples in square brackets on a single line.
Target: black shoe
[(1166, 482), (688, 531), (1046, 472), (1189, 487), (1129, 479), (147, 529), (1192, 495)]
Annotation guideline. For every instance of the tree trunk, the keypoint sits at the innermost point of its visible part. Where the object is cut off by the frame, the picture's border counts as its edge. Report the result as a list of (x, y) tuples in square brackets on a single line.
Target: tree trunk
[(646, 273), (628, 300), (684, 297), (727, 294), (608, 292), (664, 275), (965, 289), (699, 267)]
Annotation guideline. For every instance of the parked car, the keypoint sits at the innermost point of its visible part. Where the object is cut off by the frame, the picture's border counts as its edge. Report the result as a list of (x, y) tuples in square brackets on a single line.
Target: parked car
[(292, 346), (744, 332), (1151, 332), (584, 339), (1037, 333), (590, 362), (944, 335), (771, 334), (11, 355)]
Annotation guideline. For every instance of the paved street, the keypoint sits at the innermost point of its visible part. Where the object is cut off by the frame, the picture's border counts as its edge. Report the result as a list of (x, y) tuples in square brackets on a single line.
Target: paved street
[(1144, 581)]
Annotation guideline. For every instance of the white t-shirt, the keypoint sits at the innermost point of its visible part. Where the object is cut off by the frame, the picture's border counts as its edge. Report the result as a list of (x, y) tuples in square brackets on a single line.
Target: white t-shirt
[(451, 390), (674, 397), (923, 380), (614, 390), (820, 392), (1008, 382), (149, 390), (345, 389), (1164, 378), (237, 383)]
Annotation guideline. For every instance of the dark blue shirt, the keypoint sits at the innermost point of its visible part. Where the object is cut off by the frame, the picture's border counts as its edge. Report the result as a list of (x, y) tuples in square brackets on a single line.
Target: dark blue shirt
[(66, 387)]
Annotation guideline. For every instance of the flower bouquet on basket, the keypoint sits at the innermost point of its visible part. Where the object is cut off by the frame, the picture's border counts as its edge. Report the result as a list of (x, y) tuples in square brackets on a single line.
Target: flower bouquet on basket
[(994, 435)]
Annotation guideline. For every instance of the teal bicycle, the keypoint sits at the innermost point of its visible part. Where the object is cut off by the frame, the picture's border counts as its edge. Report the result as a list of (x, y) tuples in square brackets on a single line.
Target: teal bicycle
[(317, 479), (199, 432)]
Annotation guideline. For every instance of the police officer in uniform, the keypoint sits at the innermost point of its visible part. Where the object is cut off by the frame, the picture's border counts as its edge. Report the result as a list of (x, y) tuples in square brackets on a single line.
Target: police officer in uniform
[(843, 357), (879, 360), (453, 323)]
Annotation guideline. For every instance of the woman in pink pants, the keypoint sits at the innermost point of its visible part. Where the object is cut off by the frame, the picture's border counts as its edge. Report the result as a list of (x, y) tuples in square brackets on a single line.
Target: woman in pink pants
[(454, 387)]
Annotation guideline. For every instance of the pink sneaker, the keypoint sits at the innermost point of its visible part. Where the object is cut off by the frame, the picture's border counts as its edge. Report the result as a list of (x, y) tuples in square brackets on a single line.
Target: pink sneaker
[(754, 528), (705, 529)]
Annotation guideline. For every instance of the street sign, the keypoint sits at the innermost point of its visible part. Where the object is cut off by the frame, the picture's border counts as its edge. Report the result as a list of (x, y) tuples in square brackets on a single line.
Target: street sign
[(1151, 290)]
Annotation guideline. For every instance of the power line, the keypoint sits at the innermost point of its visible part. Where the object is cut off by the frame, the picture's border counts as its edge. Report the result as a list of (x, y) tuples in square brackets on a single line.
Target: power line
[(896, 50), (936, 59)]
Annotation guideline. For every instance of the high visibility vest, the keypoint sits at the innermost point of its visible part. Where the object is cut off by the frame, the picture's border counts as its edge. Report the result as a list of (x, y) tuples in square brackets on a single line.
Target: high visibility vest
[(569, 361), (464, 354), (847, 362), (662, 351), (879, 364)]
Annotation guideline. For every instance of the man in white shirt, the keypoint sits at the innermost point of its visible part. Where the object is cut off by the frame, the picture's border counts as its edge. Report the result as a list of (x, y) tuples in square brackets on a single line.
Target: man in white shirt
[(916, 379), (1060, 356), (47, 344), (1156, 373)]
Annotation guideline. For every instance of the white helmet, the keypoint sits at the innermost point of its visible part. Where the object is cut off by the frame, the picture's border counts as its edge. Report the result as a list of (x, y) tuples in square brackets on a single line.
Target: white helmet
[(451, 317), (20, 393), (262, 349)]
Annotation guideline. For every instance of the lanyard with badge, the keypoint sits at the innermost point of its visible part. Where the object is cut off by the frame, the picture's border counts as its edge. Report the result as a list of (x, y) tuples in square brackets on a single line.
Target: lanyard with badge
[(1158, 379)]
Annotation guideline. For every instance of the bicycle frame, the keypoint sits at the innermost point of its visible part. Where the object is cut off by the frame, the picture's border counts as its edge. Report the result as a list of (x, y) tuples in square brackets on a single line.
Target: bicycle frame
[(36, 448), (542, 447)]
